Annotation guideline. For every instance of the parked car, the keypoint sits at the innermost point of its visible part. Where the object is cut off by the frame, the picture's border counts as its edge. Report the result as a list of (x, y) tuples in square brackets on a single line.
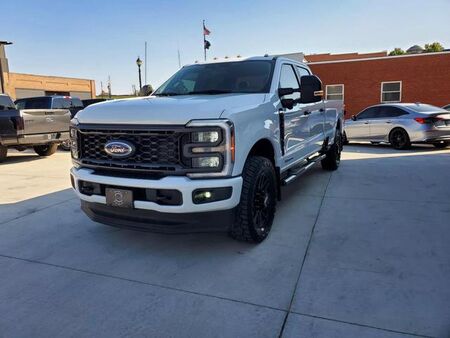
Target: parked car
[(41, 129), (88, 102), (72, 104), (400, 124), (210, 148), (447, 107)]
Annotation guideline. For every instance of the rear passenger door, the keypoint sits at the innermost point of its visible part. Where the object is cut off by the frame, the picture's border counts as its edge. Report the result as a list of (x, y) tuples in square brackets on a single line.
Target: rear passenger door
[(296, 127), (381, 125)]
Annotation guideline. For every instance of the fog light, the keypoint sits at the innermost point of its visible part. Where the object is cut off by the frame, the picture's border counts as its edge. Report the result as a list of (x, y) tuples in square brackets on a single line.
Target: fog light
[(208, 195), (206, 162)]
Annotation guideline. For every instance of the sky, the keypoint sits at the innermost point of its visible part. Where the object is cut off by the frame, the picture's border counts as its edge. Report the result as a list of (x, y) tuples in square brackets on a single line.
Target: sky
[(95, 39)]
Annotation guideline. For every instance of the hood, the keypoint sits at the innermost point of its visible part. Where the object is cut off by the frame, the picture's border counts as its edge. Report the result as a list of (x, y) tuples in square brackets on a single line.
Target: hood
[(165, 110)]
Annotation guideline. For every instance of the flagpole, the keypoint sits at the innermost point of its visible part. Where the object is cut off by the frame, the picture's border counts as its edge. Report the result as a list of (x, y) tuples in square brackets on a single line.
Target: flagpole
[(204, 40)]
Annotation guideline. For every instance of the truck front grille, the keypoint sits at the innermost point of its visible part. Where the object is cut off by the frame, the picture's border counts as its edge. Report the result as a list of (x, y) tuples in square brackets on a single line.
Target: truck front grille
[(157, 150)]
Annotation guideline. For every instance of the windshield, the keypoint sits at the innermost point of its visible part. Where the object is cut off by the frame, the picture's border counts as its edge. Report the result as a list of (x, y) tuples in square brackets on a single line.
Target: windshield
[(220, 78)]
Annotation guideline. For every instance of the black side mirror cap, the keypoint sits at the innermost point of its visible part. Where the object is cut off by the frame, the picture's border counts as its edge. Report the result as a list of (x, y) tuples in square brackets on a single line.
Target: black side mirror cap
[(311, 89)]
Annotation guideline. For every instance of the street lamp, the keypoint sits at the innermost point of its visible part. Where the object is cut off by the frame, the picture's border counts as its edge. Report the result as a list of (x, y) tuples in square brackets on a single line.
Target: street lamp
[(139, 64)]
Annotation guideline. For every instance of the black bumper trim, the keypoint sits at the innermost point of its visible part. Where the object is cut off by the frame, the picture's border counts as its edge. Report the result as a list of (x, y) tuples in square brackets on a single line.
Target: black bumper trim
[(155, 221)]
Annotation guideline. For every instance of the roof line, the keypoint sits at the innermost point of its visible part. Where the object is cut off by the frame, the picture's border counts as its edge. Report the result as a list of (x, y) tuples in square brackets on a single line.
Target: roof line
[(378, 58)]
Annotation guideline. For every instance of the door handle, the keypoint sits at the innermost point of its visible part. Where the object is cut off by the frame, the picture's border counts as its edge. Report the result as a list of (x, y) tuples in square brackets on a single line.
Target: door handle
[(366, 122), (388, 122), (307, 113)]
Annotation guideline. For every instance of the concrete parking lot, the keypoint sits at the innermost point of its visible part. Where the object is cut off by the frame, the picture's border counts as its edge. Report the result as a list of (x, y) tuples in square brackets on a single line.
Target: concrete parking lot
[(361, 252)]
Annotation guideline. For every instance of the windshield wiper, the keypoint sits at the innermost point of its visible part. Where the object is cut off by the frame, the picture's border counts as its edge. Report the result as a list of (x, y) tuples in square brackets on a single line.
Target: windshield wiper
[(210, 92)]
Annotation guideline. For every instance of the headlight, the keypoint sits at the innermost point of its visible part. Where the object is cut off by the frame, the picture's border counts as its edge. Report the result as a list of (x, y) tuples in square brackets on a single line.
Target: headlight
[(205, 136), (210, 149), (74, 142)]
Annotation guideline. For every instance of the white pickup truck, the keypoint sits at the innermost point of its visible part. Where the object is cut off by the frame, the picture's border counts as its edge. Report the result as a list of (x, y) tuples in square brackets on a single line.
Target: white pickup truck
[(208, 150)]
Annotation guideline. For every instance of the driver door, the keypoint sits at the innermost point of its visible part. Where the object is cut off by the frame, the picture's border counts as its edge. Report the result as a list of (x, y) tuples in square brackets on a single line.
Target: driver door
[(296, 125), (359, 129)]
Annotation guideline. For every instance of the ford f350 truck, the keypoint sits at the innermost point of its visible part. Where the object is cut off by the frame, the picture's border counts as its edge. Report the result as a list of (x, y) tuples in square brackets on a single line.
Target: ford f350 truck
[(41, 129), (208, 150)]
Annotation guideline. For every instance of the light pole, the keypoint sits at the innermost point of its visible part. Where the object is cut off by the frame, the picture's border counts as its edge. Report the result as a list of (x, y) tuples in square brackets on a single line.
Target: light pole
[(139, 64)]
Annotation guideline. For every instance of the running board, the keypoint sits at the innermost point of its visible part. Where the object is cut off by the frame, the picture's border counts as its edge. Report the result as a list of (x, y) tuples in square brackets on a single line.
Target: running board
[(297, 172)]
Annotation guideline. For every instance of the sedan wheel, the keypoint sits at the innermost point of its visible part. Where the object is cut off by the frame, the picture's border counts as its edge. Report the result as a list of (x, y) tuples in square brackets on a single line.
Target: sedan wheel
[(399, 139)]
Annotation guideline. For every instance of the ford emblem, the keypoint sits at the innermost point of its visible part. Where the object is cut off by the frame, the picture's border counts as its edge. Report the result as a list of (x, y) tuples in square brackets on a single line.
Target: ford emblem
[(119, 149)]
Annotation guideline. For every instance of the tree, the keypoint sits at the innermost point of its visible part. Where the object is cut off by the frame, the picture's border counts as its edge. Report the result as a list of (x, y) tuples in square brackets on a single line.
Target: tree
[(433, 47), (397, 51)]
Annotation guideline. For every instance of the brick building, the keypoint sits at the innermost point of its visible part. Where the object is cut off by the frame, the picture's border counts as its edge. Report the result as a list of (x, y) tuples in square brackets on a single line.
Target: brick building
[(362, 80), (28, 85)]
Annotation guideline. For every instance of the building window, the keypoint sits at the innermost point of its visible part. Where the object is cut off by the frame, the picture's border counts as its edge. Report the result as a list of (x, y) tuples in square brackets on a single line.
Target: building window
[(391, 91), (335, 92)]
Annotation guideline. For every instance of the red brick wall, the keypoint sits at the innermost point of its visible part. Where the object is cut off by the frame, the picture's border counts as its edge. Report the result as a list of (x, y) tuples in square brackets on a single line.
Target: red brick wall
[(425, 78)]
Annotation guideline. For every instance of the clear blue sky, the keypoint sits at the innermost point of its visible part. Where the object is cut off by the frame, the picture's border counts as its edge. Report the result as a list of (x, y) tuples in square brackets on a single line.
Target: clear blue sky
[(96, 38)]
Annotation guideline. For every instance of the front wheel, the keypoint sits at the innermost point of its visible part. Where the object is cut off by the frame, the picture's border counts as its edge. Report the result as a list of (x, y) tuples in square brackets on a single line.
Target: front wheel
[(3, 153), (333, 155), (399, 139), (256, 210), (46, 150)]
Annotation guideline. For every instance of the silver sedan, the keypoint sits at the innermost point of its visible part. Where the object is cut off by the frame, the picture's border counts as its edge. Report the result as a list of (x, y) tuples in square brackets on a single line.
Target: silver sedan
[(400, 124)]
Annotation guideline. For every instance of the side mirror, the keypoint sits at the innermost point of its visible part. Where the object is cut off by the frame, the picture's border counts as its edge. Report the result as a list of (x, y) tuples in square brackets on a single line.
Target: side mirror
[(353, 118), (311, 89), (288, 103)]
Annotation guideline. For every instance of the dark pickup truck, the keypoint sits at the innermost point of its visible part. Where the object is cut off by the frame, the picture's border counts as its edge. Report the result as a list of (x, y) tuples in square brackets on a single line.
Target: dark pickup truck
[(42, 129)]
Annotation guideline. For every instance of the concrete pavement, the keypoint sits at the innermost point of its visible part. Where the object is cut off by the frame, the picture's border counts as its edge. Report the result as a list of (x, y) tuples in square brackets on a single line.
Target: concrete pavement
[(361, 252)]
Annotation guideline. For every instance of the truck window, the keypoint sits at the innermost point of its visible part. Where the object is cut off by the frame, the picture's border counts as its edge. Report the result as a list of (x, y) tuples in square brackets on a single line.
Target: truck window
[(252, 76), (34, 103), (302, 71), (288, 79), (6, 103), (61, 103), (76, 103)]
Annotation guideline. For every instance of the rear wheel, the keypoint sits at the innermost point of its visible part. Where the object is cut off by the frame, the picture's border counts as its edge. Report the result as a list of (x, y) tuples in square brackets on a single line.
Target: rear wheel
[(333, 155), (46, 150), (256, 210), (399, 139), (442, 144), (3, 153)]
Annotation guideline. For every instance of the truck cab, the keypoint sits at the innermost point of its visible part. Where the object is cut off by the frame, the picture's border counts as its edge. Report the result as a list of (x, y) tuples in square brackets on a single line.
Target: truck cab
[(216, 140)]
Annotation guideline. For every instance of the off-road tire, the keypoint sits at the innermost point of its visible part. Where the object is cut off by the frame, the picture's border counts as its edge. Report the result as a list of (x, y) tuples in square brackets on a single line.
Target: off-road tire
[(256, 210), (3, 153), (399, 139), (46, 150), (441, 145), (333, 155)]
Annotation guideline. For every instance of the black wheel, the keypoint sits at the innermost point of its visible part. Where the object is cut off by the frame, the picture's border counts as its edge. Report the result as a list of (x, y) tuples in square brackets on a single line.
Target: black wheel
[(345, 139), (256, 210), (46, 150), (441, 145), (65, 145), (399, 139), (333, 155), (3, 153)]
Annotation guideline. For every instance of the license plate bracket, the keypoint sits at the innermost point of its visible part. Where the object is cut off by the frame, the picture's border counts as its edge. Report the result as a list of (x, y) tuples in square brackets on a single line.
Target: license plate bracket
[(119, 198)]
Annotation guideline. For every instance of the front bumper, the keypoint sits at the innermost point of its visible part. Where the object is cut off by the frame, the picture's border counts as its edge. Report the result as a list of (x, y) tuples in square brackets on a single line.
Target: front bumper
[(183, 184)]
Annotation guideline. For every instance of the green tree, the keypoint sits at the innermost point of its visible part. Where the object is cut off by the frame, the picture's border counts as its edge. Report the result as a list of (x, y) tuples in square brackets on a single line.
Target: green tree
[(397, 51), (433, 47)]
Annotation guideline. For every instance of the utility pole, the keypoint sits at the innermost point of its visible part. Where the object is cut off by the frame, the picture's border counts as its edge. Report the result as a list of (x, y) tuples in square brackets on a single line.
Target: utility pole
[(179, 58), (109, 86), (204, 39)]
